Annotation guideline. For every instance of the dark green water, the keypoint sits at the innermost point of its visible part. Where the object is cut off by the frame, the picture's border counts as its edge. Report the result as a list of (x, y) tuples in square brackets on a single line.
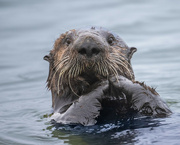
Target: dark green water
[(28, 30)]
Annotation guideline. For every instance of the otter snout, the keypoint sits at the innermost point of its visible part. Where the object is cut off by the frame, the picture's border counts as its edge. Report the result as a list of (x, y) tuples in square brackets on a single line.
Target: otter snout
[(89, 48)]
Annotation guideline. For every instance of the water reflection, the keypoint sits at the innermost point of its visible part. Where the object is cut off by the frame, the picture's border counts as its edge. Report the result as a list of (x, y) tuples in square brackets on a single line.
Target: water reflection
[(120, 133)]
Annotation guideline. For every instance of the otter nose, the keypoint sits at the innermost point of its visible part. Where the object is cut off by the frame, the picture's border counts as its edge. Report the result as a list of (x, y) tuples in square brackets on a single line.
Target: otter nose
[(89, 48)]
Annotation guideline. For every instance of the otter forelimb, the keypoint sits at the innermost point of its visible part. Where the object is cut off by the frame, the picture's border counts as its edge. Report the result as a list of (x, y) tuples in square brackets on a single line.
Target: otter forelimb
[(84, 110), (141, 97)]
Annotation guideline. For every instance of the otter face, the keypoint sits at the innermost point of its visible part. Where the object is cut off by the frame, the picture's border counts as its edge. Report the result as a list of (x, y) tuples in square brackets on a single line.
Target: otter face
[(89, 55)]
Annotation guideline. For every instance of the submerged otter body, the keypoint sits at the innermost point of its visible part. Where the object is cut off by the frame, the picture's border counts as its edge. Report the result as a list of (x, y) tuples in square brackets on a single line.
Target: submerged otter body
[(90, 76)]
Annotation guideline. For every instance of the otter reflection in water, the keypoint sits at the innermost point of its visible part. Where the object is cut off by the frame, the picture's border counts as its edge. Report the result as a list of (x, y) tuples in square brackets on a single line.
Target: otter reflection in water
[(91, 77)]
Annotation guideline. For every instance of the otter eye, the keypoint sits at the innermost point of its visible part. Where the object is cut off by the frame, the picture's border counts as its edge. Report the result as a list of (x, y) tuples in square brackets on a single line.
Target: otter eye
[(111, 40), (68, 41)]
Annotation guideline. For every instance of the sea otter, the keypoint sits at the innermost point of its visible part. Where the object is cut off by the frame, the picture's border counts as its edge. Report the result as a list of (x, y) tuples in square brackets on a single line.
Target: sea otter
[(90, 77)]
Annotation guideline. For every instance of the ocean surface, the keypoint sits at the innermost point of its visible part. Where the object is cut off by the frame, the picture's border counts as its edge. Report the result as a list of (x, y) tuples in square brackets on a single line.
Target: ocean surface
[(28, 30)]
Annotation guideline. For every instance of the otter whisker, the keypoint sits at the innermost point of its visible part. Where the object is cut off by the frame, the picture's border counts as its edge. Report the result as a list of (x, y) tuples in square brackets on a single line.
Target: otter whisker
[(55, 65), (123, 65), (118, 60), (60, 78), (104, 69), (61, 75), (74, 73), (114, 71), (76, 69), (73, 69), (69, 81), (61, 64), (58, 68), (113, 55), (114, 65), (118, 54), (99, 67), (79, 68)]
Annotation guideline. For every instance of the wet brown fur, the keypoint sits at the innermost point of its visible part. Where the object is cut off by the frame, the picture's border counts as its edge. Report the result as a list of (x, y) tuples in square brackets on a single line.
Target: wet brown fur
[(78, 85), (152, 90), (81, 86)]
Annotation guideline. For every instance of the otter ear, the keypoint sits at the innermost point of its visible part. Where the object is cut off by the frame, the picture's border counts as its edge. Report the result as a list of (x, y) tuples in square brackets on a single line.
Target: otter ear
[(131, 52), (47, 58)]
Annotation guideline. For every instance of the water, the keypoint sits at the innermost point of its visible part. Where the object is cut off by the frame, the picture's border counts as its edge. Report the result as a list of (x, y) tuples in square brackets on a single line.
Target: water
[(28, 30)]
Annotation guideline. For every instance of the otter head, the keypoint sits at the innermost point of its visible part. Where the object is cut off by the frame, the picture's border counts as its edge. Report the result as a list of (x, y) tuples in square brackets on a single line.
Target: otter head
[(83, 57)]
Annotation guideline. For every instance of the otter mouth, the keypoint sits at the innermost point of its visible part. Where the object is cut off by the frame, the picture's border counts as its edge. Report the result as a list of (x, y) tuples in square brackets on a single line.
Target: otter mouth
[(90, 73), (91, 78)]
